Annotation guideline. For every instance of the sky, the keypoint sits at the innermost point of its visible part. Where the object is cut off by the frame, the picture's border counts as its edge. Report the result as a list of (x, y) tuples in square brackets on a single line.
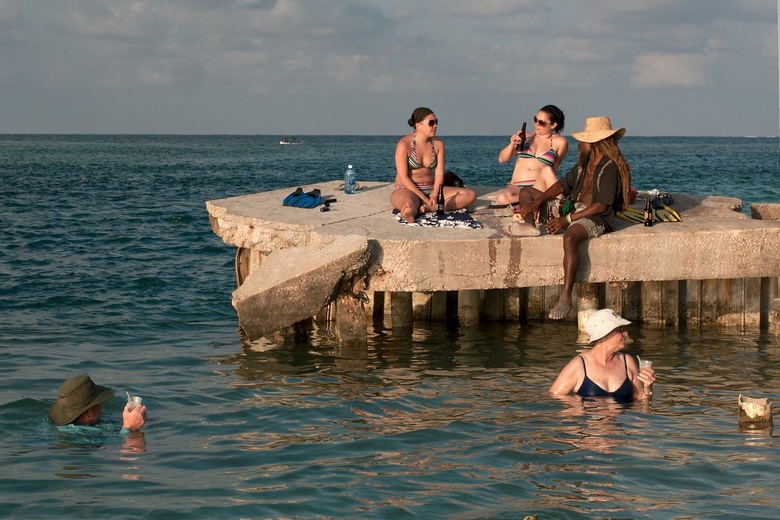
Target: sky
[(342, 67)]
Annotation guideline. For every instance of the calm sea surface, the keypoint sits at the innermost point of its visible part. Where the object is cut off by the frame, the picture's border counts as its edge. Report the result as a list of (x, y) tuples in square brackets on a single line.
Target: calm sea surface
[(108, 266)]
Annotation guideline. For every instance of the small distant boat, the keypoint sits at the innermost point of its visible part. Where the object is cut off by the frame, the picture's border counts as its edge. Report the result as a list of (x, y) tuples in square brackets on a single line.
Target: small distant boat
[(288, 141)]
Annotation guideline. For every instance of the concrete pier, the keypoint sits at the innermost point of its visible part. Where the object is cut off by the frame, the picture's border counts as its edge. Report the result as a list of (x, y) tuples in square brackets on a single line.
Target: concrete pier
[(716, 268)]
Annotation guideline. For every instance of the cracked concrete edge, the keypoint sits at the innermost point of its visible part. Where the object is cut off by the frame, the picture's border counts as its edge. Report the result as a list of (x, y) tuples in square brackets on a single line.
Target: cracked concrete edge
[(296, 283)]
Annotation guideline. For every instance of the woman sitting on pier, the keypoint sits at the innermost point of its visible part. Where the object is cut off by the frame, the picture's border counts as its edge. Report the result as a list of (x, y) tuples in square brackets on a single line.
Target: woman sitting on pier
[(419, 164), (539, 154), (604, 370)]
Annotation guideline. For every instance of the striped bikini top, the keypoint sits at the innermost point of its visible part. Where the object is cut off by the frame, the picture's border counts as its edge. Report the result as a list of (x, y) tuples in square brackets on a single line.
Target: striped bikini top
[(414, 162), (549, 157)]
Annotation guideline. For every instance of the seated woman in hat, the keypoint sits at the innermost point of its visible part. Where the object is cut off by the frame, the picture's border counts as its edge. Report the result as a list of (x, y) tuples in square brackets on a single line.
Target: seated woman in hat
[(603, 370), (79, 403), (419, 164)]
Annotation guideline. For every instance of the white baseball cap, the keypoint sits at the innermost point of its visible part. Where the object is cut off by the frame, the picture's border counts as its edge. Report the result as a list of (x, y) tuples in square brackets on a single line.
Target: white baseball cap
[(602, 322)]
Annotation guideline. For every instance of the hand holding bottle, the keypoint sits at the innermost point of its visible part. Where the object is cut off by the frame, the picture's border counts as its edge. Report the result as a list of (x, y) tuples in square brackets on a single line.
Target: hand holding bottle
[(521, 137)]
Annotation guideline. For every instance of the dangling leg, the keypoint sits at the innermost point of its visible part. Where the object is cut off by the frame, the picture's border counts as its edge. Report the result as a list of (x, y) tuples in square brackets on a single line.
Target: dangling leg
[(571, 263)]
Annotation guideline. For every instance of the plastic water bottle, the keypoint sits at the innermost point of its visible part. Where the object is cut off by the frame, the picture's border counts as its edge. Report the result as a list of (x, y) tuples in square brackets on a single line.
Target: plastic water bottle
[(349, 181)]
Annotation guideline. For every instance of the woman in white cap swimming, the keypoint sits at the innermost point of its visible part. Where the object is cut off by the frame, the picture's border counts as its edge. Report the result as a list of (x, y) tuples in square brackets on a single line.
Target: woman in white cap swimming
[(604, 370)]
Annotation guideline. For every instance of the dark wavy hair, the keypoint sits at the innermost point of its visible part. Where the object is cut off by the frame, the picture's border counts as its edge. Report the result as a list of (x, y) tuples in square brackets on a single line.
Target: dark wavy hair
[(418, 115), (609, 148), (556, 116)]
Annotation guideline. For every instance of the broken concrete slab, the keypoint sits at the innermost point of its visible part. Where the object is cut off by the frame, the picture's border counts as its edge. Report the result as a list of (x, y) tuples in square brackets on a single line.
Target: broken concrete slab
[(295, 283), (765, 211)]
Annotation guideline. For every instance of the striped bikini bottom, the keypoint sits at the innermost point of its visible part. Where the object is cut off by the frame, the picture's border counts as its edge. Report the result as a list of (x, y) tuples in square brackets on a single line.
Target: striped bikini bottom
[(425, 187)]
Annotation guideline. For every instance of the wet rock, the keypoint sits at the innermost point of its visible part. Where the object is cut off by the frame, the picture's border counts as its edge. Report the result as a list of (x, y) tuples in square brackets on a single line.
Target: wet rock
[(754, 412)]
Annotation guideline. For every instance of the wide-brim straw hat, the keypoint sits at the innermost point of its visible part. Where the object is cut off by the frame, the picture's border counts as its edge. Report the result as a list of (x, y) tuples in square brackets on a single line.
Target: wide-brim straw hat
[(75, 396), (602, 322), (598, 128)]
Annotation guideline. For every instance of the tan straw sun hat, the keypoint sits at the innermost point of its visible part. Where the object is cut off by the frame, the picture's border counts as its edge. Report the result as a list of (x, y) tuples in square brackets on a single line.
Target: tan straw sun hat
[(596, 129), (75, 396), (602, 322)]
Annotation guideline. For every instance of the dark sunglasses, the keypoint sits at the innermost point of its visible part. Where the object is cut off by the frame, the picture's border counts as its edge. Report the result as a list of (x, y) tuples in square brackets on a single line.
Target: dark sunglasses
[(540, 122), (431, 122)]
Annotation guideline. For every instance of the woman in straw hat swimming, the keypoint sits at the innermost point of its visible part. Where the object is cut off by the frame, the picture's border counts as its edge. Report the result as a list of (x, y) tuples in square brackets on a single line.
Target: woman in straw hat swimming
[(598, 184), (603, 370)]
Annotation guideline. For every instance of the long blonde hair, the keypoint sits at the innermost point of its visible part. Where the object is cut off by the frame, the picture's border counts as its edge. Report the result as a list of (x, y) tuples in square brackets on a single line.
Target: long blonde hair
[(609, 148)]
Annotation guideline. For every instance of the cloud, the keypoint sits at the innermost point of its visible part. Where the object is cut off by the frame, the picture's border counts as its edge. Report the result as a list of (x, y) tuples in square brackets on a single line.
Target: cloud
[(670, 70), (239, 54), (9, 23), (666, 11), (110, 20), (484, 8)]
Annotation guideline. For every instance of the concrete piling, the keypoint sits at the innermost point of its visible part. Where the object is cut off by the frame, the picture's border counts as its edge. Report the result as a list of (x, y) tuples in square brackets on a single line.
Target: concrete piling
[(587, 302), (468, 307), (401, 311)]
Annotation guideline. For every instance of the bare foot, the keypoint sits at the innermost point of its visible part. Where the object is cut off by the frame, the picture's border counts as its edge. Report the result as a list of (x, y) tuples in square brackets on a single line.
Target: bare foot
[(521, 229), (503, 211), (407, 213), (560, 310)]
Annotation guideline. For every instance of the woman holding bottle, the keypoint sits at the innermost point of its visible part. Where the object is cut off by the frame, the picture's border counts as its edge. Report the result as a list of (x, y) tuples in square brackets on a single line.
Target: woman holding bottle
[(538, 154)]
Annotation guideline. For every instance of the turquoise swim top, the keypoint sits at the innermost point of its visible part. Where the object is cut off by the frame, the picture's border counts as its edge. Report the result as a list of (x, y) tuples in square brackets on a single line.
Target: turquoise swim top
[(414, 163), (549, 157)]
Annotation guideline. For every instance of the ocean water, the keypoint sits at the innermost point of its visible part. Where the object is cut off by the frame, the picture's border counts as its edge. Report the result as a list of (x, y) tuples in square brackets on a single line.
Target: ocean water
[(108, 266)]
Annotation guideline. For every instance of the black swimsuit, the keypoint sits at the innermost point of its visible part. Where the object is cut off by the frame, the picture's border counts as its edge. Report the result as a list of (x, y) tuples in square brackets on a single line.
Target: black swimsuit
[(589, 388)]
